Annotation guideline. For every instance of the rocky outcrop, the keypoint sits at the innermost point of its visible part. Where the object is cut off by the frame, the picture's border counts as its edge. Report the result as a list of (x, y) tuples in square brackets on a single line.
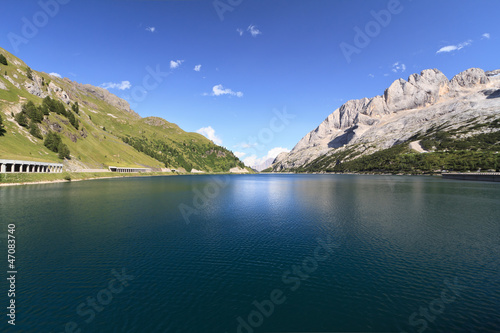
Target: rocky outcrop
[(35, 86), (59, 92), (238, 170), (13, 82), (471, 78), (405, 108), (493, 73), (106, 96)]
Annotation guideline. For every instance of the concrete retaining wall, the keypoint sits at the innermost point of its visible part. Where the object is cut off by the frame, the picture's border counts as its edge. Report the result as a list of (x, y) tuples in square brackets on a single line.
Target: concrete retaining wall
[(477, 176), (128, 170), (12, 166)]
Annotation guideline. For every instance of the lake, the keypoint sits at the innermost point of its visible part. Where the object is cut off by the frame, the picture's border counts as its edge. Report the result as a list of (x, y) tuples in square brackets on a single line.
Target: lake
[(255, 253)]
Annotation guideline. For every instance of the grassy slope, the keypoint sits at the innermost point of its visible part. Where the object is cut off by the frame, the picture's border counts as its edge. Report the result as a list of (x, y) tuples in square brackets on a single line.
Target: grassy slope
[(104, 124)]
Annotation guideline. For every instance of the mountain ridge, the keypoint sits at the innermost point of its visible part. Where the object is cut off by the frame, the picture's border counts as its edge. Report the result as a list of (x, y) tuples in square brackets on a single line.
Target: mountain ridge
[(406, 109), (100, 133)]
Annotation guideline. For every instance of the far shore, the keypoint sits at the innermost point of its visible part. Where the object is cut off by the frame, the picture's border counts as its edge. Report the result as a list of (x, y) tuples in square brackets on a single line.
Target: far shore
[(68, 177)]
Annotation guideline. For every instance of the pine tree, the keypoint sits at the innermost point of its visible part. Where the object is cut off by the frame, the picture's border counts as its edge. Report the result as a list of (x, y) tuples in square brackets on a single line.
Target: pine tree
[(29, 73), (21, 119), (2, 127), (3, 60), (63, 151), (35, 131), (52, 141), (76, 108), (73, 121)]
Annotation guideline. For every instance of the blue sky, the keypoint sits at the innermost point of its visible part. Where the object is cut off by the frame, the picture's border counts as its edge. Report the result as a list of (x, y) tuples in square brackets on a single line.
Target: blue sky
[(259, 59)]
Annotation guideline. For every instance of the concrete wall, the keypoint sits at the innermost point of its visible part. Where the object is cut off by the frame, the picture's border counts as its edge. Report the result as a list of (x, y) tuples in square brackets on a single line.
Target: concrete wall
[(11, 166), (478, 176), (128, 170)]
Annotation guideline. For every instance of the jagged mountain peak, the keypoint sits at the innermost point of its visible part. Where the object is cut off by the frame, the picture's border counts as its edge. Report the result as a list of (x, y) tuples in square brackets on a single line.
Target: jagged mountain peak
[(406, 107)]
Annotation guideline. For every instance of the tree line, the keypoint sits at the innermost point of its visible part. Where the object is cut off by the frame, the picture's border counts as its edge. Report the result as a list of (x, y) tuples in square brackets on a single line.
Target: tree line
[(31, 115)]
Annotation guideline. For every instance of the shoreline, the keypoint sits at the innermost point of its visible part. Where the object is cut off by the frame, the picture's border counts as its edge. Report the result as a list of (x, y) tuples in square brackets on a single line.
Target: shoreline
[(56, 181), (93, 176)]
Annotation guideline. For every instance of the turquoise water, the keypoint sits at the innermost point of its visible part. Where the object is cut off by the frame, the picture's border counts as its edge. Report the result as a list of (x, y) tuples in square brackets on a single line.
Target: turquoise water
[(256, 253)]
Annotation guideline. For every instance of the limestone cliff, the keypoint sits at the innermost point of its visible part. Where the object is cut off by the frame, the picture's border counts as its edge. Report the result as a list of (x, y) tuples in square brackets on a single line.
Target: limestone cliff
[(406, 108)]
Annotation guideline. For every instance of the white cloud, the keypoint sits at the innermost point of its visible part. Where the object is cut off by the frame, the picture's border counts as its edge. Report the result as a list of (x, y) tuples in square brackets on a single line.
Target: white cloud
[(219, 90), (151, 29), (240, 31), (239, 154), (273, 153), (398, 67), (252, 161), (253, 30), (257, 163), (209, 133), (55, 75), (197, 68), (486, 35), (119, 85), (175, 64), (450, 48), (371, 75)]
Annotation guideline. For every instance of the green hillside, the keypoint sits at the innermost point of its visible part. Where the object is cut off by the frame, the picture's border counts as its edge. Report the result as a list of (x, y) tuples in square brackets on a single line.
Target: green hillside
[(101, 131)]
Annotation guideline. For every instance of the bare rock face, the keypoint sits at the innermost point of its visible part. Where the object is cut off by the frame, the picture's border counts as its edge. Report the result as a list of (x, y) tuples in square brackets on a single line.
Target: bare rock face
[(61, 94), (428, 99), (106, 96), (35, 87), (419, 91), (492, 73), (13, 82), (470, 78)]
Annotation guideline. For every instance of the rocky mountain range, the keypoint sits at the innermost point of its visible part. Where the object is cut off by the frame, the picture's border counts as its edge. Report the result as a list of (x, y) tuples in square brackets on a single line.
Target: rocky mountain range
[(407, 109)]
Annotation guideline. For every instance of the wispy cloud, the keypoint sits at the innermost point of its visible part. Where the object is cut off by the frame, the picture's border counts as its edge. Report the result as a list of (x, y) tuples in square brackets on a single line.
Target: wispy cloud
[(219, 90), (240, 32), (209, 133), (175, 64), (486, 35), (398, 67), (451, 48), (245, 145), (55, 75), (124, 85), (151, 29), (197, 68), (252, 29), (371, 75)]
